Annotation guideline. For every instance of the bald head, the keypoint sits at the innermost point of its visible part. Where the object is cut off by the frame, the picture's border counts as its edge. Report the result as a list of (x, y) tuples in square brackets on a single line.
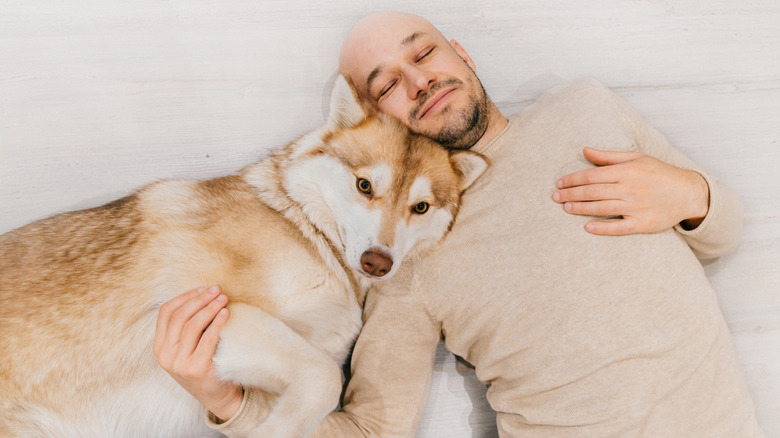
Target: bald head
[(374, 37)]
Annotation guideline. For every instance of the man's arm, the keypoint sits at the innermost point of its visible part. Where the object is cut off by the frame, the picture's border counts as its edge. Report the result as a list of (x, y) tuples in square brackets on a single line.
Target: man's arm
[(654, 189), (392, 365)]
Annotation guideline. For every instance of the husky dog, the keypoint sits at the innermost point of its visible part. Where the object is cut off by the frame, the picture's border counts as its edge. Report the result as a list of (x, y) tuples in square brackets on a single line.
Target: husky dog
[(294, 240)]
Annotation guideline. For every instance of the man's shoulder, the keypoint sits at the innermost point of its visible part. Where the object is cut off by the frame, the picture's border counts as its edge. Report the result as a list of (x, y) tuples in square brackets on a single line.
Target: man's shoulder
[(579, 97), (585, 89)]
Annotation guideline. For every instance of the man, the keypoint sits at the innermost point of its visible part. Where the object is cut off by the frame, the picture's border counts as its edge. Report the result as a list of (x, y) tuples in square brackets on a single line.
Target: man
[(577, 334)]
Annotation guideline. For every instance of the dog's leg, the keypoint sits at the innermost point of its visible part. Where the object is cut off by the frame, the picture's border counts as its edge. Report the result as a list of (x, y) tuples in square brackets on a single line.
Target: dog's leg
[(258, 350)]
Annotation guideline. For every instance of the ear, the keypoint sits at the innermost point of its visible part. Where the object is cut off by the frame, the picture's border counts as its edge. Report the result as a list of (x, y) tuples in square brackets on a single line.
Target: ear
[(462, 53), (345, 107), (470, 165)]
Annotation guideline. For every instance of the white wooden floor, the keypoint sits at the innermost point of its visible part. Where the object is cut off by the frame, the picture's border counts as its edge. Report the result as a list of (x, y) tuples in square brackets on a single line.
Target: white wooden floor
[(98, 97)]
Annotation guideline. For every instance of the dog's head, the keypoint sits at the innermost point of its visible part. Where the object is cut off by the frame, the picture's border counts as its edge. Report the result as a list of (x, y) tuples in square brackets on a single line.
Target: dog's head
[(374, 187)]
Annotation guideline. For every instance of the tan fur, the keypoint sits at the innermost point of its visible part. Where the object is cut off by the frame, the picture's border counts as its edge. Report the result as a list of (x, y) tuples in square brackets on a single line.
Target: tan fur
[(80, 291)]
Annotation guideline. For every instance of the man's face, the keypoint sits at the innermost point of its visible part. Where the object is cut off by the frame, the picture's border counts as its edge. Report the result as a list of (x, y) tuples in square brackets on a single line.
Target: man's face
[(409, 71)]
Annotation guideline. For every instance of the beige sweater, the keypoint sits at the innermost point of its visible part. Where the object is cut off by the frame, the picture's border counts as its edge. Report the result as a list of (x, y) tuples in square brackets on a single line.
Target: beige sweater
[(577, 335)]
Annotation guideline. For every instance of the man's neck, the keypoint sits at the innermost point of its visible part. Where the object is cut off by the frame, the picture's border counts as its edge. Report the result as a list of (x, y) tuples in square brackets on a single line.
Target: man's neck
[(497, 122)]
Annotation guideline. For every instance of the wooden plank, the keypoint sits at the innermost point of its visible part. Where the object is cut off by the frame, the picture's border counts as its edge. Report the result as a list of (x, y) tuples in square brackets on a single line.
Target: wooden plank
[(456, 406), (748, 286)]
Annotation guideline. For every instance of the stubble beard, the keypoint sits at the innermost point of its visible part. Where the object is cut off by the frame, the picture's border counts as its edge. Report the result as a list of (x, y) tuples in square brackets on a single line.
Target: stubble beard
[(462, 128)]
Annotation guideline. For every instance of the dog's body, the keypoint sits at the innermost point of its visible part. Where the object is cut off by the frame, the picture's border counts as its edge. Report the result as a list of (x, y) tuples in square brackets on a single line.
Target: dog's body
[(294, 241)]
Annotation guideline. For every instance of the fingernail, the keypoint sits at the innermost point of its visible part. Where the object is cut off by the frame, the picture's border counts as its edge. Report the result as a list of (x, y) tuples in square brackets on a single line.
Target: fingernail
[(221, 298), (568, 206), (214, 289), (557, 196), (590, 227), (559, 184)]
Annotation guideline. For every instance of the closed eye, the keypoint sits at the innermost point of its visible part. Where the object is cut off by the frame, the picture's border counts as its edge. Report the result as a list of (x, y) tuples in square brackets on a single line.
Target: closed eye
[(387, 88), (423, 54)]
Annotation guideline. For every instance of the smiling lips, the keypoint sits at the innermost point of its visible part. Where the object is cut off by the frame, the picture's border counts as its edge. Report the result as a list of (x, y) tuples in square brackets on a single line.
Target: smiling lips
[(436, 102)]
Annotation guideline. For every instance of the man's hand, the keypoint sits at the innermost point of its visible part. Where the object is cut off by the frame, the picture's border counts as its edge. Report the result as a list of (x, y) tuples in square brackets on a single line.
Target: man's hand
[(649, 195), (187, 334)]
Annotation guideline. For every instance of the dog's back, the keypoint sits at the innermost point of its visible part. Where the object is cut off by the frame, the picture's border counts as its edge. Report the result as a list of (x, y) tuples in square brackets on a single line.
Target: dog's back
[(81, 290)]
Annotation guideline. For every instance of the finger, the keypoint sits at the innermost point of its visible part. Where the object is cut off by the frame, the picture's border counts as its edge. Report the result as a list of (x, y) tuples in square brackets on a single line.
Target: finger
[(612, 228), (197, 324), (593, 175), (164, 316), (607, 158), (208, 342), (185, 312), (596, 208), (591, 192)]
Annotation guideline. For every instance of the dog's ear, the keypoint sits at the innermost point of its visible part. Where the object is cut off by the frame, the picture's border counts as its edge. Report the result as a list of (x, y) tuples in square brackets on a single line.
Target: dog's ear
[(470, 165), (346, 109)]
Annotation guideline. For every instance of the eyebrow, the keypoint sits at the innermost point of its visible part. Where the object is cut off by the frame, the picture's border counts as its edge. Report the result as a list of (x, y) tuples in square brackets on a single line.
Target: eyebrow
[(376, 71), (410, 39)]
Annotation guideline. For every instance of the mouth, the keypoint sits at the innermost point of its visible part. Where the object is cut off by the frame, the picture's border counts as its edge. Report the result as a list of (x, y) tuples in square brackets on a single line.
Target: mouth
[(436, 102), (371, 276)]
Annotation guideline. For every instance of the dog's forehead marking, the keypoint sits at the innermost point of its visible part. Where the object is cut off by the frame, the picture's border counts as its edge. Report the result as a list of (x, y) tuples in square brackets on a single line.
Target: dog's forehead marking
[(420, 190), (381, 178), (308, 143)]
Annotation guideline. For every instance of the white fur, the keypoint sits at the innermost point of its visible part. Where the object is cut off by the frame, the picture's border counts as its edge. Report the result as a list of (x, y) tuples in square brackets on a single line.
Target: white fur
[(262, 352), (345, 110), (115, 414), (167, 197), (381, 178), (420, 191), (307, 143), (418, 231), (319, 185)]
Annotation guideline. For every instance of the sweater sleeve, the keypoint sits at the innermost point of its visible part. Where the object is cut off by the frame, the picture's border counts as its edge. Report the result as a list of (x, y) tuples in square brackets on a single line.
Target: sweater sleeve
[(392, 365), (255, 406), (721, 229)]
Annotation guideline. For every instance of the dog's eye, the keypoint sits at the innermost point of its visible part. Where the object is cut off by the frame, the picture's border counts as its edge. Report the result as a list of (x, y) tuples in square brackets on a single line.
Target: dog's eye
[(420, 208), (364, 186)]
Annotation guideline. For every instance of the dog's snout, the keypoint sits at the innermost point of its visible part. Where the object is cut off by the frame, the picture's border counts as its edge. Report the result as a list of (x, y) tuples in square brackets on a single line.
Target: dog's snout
[(376, 263)]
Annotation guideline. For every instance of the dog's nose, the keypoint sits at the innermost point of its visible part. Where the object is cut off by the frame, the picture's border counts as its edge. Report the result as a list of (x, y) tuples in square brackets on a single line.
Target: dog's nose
[(376, 263)]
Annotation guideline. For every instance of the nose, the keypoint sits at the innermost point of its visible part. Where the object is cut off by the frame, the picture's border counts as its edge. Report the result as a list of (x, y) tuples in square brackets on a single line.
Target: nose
[(376, 263), (419, 81)]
